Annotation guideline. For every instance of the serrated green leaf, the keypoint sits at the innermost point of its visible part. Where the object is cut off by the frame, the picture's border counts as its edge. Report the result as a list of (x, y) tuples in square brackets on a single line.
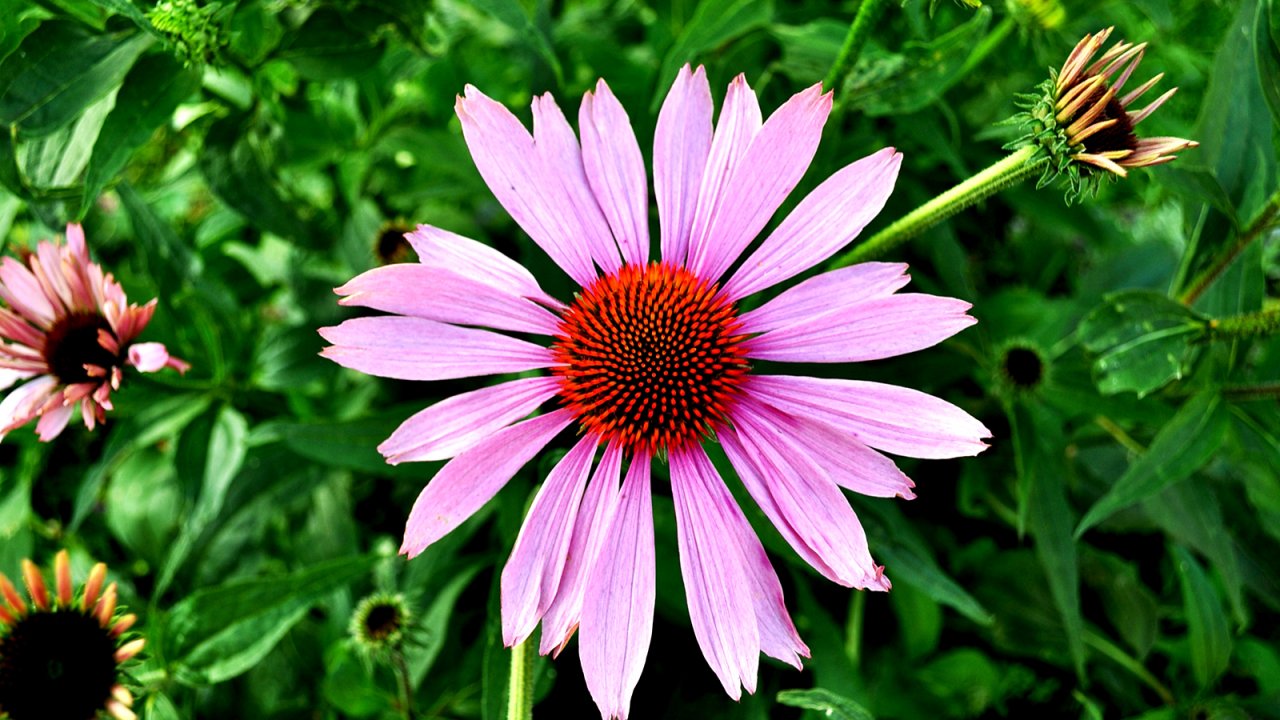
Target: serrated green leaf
[(1142, 340), (1206, 622), (831, 705), (1181, 447)]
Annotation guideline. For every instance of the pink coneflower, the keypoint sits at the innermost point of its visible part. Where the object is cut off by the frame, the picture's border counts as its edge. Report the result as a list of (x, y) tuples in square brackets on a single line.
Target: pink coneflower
[(651, 359), (61, 653), (70, 327)]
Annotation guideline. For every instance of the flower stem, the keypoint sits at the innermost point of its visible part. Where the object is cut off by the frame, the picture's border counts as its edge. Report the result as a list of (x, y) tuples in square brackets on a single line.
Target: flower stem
[(868, 12), (406, 685), (1023, 163), (1227, 255), (519, 694), (1245, 393), (1263, 322), (853, 632)]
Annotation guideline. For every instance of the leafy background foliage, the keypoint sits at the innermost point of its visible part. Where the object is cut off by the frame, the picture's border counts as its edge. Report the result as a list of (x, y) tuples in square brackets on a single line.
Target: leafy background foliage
[(1112, 554)]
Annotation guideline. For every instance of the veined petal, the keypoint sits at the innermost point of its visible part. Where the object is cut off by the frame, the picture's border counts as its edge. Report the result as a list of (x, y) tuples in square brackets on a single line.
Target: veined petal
[(768, 172), (454, 424), (801, 500), (441, 248), (20, 405), (439, 294), (562, 156), (472, 478), (410, 348), (739, 122), (681, 143), (894, 419), (505, 155), (828, 292), (532, 574), (872, 330), (590, 531), (711, 564), (615, 170), (827, 219), (21, 291), (617, 613)]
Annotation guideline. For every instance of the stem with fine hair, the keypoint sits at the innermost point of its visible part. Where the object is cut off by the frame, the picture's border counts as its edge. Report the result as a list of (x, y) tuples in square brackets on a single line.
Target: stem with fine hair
[(519, 692), (1228, 254), (868, 12), (1254, 324), (1022, 164)]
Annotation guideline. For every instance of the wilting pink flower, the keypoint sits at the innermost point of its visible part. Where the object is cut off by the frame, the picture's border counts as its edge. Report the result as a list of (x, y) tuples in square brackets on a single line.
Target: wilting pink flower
[(651, 359), (70, 327)]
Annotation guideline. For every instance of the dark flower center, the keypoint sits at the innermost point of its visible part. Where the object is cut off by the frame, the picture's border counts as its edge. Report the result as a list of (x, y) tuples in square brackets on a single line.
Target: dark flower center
[(651, 357), (73, 343), (1023, 367), (1117, 137), (382, 622), (56, 666), (391, 245)]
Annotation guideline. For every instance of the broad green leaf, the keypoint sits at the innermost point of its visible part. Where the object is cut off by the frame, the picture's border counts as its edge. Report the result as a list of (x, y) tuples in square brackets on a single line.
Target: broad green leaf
[(1181, 447), (1129, 604), (919, 619), (512, 14), (143, 505), (55, 161), (151, 92), (326, 47), (129, 10), (58, 71), (220, 632), (831, 705), (254, 31), (1206, 622), (350, 444), (1191, 513), (238, 172), (713, 24), (1142, 340)]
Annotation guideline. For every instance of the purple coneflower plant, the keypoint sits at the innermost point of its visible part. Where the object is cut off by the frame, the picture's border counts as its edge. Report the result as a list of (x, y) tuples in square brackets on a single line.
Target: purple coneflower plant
[(67, 327), (653, 358)]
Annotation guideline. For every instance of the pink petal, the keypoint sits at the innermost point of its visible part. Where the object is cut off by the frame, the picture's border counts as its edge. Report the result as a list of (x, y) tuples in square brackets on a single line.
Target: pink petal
[(455, 424), (441, 248), (75, 242), (20, 406), (615, 170), (148, 357), (894, 419), (53, 421), (469, 480), (8, 377), (532, 574), (439, 294), (768, 172), (681, 143), (590, 530), (410, 348), (509, 162), (558, 147), (871, 330), (22, 292), (14, 327), (739, 122), (825, 293), (617, 613), (800, 499), (827, 219), (711, 564)]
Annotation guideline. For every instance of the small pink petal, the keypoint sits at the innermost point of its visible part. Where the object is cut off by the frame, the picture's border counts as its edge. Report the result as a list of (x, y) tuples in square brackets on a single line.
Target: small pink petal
[(472, 478), (20, 406), (443, 249), (615, 170), (53, 421), (828, 292), (681, 144), (75, 242), (148, 357), (531, 577), (617, 613)]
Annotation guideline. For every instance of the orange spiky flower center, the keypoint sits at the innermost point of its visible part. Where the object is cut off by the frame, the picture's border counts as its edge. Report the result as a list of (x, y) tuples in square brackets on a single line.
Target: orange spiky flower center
[(650, 356)]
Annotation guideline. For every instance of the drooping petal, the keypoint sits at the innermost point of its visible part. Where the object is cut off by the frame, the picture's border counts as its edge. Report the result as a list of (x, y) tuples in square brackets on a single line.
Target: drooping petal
[(615, 170), (53, 421), (872, 330), (505, 155), (532, 574), (827, 219), (148, 357), (739, 122), (441, 248), (562, 155), (590, 531), (443, 295), (681, 143), (800, 499), (894, 419), (19, 406), (828, 292), (410, 348), (9, 377), (768, 172), (711, 564), (617, 612), (472, 478), (454, 424)]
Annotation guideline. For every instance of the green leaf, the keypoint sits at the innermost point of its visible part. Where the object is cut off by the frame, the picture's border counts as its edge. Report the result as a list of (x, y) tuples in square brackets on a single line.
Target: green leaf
[(350, 444), (1129, 604), (1206, 621), (219, 633), (1266, 46), (153, 89), (512, 14), (129, 10), (831, 705), (1191, 513), (1181, 447), (327, 47), (421, 656), (235, 165), (170, 261), (1142, 340), (58, 71), (713, 25)]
